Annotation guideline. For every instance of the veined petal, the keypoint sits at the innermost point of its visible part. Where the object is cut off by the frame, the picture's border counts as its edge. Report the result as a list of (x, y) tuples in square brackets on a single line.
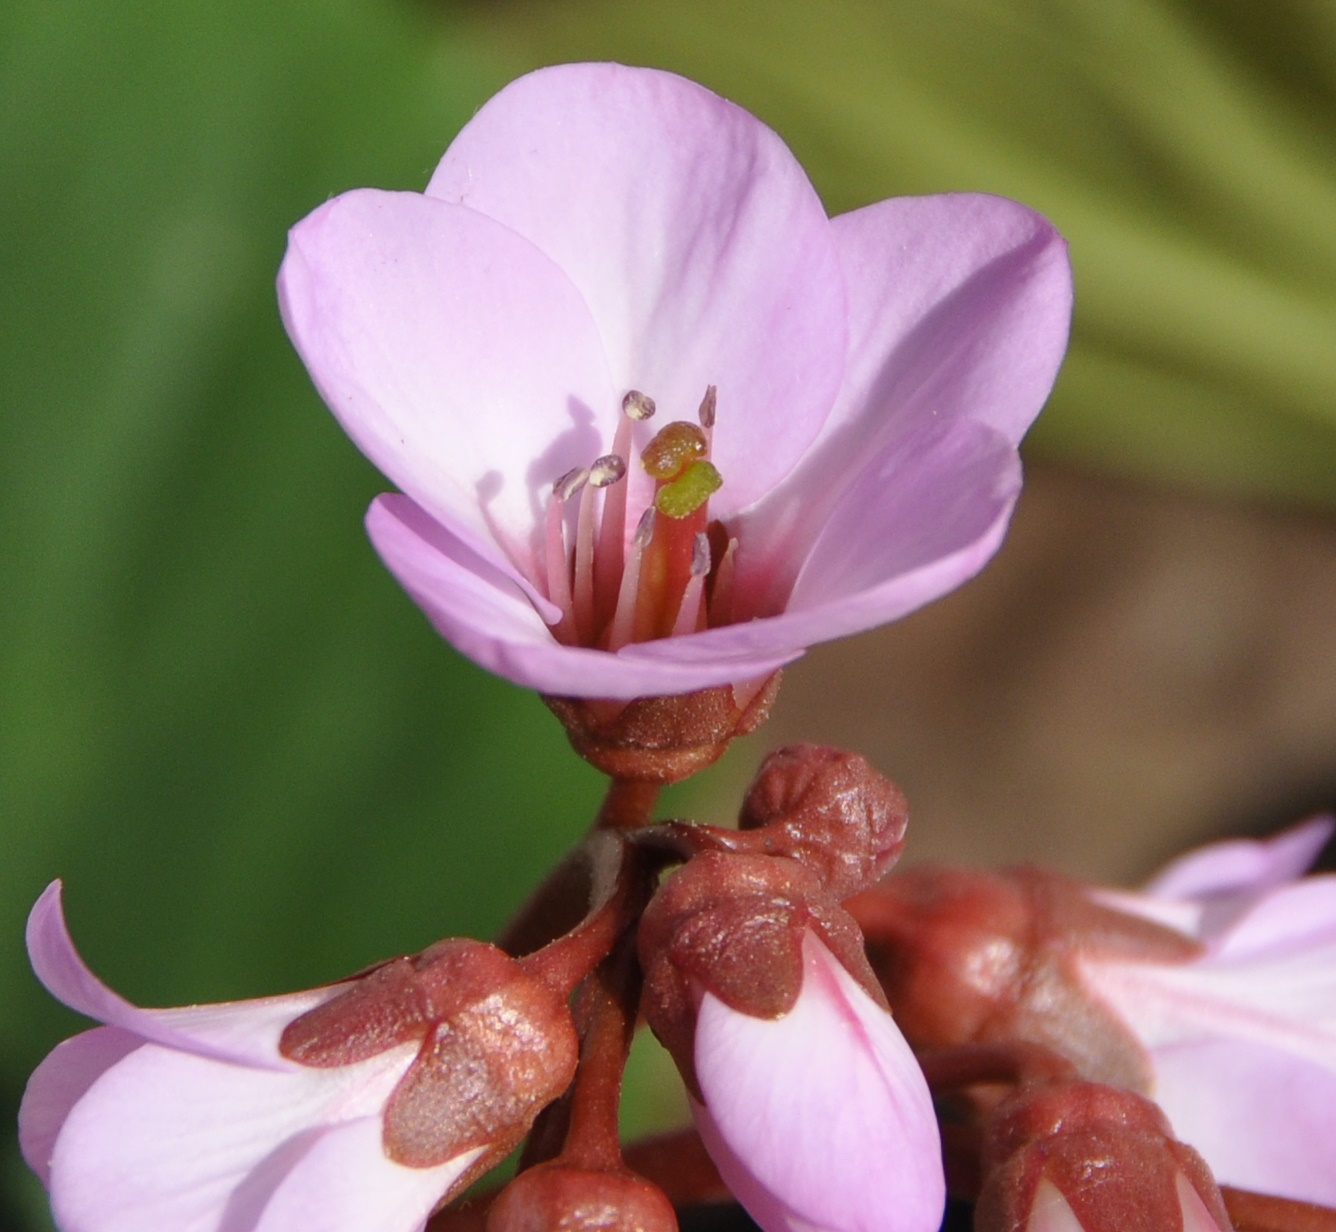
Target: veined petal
[(919, 518), (1262, 1118), (959, 307), (482, 612), (59, 1083), (458, 357), (343, 1182), (821, 1118), (242, 1031), (695, 238), (1243, 864), (166, 1139)]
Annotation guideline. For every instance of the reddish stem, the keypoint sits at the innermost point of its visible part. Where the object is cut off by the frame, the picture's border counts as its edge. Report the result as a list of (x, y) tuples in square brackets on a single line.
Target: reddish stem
[(628, 804)]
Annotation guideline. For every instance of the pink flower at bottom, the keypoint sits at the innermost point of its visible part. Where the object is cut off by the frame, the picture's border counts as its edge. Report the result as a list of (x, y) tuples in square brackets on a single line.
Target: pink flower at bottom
[(1241, 1041), (196, 1120), (819, 1120)]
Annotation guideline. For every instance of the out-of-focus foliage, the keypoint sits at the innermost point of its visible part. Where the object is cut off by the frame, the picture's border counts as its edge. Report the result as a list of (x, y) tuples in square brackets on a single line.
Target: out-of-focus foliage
[(1184, 147), (252, 761)]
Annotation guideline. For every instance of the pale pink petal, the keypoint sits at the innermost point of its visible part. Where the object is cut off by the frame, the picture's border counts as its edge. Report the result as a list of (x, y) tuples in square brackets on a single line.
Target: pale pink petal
[(344, 1182), (1292, 928), (1263, 1119), (921, 518), (823, 1114), (1050, 1211), (1243, 864), (959, 307), (457, 356), (482, 612), (164, 1138), (59, 1083), (244, 1031), (693, 235)]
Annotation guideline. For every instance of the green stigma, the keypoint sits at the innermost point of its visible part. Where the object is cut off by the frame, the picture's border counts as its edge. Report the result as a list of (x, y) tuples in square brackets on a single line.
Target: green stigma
[(689, 491)]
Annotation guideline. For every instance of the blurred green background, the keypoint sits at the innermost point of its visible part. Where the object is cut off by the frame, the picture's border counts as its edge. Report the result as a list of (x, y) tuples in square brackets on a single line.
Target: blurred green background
[(220, 721)]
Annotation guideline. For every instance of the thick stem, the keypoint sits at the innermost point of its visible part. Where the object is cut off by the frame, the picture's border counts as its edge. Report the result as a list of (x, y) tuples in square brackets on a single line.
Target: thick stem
[(628, 804)]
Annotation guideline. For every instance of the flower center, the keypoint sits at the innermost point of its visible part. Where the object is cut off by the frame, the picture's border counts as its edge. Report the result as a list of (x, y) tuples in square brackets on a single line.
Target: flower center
[(674, 573)]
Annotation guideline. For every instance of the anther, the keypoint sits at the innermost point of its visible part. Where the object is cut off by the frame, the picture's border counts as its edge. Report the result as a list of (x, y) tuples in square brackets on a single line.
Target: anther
[(700, 555), (644, 529), (570, 483), (606, 470), (623, 620), (637, 405), (707, 408)]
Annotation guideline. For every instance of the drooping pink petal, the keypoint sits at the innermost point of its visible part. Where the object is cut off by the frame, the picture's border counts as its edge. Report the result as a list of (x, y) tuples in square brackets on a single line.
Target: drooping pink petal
[(1263, 1119), (1243, 864), (483, 613), (343, 1182), (461, 360), (694, 236), (820, 1119), (166, 1139), (242, 1031), (59, 1083)]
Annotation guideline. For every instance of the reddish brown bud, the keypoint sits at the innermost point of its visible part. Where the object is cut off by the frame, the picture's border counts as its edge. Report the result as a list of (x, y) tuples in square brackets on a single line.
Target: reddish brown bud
[(973, 957), (497, 1045), (557, 1197), (1108, 1153), (829, 810), (663, 739), (733, 925)]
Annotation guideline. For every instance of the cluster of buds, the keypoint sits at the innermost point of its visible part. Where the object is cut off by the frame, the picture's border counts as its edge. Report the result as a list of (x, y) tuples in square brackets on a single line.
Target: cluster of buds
[(1096, 1059), (376, 1101)]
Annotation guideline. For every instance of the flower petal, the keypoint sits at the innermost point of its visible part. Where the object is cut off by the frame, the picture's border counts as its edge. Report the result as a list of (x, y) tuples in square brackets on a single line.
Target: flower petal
[(343, 1182), (959, 307), (482, 613), (823, 1116), (59, 1083), (1243, 864), (693, 235), (243, 1031), (1263, 1119), (163, 1138), (457, 356), (920, 518)]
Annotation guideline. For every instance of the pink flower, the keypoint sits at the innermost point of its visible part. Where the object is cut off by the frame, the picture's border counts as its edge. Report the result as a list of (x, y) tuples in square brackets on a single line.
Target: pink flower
[(1242, 1041), (600, 237), (819, 1119), (180, 1120)]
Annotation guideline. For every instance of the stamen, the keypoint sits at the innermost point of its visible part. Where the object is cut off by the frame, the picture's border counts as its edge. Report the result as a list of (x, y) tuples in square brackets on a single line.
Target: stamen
[(688, 614), (637, 406), (623, 621), (708, 406), (604, 471), (558, 575), (721, 593)]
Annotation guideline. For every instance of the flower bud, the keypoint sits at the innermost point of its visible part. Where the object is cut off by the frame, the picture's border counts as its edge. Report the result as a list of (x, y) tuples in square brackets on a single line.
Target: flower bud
[(829, 810), (804, 1092), (559, 1197), (1081, 1157)]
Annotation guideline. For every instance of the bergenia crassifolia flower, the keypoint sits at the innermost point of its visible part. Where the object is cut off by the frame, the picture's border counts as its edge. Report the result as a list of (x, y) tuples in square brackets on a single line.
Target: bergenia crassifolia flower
[(1241, 1040), (357, 1107), (658, 423)]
